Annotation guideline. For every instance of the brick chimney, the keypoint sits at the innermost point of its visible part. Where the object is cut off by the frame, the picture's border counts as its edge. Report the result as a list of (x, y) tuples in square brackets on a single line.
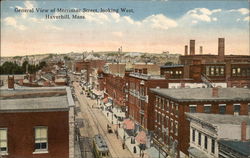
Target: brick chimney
[(192, 47), (221, 47), (215, 92), (243, 130), (201, 50), (186, 50), (11, 82)]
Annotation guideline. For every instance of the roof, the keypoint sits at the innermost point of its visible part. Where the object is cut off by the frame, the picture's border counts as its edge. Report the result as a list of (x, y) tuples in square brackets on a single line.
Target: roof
[(100, 143), (219, 119), (196, 152), (36, 99), (204, 94), (238, 146), (171, 66), (34, 104)]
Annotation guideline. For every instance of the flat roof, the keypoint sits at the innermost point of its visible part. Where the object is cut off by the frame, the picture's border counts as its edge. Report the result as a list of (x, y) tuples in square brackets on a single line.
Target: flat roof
[(219, 119), (238, 146), (36, 99), (204, 94)]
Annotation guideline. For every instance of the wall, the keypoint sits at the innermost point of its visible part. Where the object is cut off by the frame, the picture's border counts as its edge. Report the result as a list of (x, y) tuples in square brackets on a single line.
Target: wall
[(21, 133)]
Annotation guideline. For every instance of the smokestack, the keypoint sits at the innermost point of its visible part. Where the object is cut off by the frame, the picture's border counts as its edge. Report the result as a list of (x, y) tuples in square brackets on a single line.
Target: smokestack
[(201, 50), (11, 82), (215, 92), (192, 47), (243, 130), (221, 47), (186, 50)]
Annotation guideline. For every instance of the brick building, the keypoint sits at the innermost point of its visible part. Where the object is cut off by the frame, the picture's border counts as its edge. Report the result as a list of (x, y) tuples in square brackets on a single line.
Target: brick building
[(89, 66), (138, 98), (232, 69), (171, 129), (34, 123)]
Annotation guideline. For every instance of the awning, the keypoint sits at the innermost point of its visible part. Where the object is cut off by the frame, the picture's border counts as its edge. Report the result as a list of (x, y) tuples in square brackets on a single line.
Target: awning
[(141, 137), (105, 100), (96, 92), (128, 124), (120, 114), (108, 104)]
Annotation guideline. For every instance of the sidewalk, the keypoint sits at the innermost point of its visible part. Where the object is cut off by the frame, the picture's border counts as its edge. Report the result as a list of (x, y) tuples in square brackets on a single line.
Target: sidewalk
[(122, 133)]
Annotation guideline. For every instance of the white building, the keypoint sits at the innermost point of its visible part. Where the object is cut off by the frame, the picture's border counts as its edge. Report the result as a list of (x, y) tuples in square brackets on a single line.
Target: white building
[(207, 129)]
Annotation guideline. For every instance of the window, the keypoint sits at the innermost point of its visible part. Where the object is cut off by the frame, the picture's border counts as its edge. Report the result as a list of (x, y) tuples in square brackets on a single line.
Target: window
[(41, 141), (199, 138), (3, 139), (213, 146), (222, 70), (207, 108), (222, 108), (205, 142), (193, 135), (236, 109), (192, 108)]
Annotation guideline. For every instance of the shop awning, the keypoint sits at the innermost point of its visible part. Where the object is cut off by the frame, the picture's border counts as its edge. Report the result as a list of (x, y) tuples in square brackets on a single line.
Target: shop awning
[(141, 137), (128, 124), (105, 100), (108, 104)]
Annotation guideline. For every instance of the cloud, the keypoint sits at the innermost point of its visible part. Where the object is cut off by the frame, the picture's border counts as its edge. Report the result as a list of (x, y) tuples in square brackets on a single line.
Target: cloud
[(202, 14), (10, 21), (246, 18), (159, 21), (29, 4), (243, 11)]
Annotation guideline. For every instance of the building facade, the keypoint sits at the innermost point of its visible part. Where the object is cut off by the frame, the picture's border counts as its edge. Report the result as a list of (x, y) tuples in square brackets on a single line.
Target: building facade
[(171, 128), (34, 123)]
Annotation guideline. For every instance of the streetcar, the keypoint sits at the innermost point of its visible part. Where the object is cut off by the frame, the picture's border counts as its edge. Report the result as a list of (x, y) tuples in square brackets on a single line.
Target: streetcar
[(100, 147)]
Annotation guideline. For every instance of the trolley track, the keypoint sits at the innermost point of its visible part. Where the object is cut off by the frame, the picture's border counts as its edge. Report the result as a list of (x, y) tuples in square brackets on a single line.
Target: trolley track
[(94, 118)]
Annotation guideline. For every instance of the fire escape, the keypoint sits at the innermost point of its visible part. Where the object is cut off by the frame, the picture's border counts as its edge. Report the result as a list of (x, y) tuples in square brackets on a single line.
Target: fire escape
[(207, 80)]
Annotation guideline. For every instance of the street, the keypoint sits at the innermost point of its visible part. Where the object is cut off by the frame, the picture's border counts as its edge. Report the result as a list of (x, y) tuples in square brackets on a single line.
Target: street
[(94, 122)]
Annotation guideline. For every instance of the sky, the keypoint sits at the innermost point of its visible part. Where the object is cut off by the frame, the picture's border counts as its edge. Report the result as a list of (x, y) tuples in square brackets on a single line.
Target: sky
[(150, 26)]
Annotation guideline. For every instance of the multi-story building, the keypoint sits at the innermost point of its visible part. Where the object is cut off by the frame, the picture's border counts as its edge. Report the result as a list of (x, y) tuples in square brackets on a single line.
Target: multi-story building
[(35, 122), (171, 128), (206, 130), (232, 69)]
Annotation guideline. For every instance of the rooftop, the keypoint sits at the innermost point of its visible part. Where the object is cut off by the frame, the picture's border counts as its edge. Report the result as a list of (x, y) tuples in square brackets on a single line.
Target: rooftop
[(35, 99), (171, 66), (219, 119), (146, 76), (204, 94), (238, 146)]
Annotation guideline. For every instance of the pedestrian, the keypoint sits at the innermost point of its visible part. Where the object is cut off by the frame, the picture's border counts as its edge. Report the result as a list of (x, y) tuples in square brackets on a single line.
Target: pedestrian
[(123, 145), (134, 149)]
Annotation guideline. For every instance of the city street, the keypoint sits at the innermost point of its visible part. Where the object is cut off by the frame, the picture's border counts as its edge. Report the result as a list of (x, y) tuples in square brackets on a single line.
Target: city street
[(94, 122)]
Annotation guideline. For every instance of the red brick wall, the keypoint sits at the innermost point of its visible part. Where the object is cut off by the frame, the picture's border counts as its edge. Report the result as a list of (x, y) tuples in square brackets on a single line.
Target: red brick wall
[(21, 133)]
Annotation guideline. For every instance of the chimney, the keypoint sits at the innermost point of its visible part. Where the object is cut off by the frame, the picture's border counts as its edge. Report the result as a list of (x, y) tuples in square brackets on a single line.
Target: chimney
[(186, 50), (145, 71), (221, 47), (192, 47), (215, 91), (243, 130), (11, 82), (201, 50)]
